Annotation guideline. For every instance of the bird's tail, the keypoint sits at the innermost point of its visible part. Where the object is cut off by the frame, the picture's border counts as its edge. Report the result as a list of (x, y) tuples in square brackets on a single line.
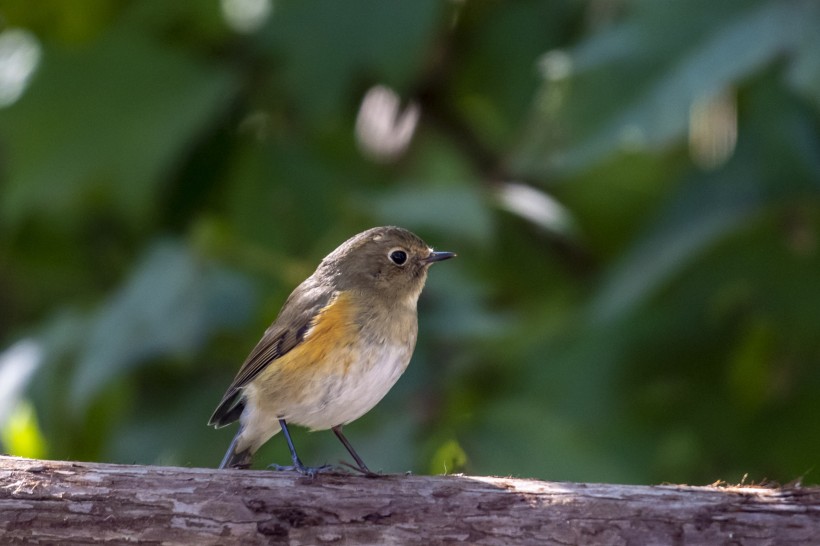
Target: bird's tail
[(234, 459)]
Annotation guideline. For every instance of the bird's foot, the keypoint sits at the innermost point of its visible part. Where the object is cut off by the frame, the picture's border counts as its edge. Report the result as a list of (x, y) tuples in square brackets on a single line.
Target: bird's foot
[(309, 471)]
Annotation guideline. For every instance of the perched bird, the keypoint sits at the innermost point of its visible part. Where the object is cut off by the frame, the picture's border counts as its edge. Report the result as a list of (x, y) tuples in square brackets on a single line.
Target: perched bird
[(341, 341)]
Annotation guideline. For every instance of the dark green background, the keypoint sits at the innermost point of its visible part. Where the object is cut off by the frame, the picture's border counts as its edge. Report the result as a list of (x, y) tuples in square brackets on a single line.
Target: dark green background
[(166, 180)]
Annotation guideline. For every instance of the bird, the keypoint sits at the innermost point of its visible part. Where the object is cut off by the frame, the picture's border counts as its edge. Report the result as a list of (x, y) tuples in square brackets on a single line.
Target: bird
[(340, 342)]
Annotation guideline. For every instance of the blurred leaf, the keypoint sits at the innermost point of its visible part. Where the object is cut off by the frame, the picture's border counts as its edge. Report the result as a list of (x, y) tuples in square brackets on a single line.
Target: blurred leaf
[(167, 424), (107, 122), (610, 198), (749, 367), (150, 123), (460, 211), (171, 304), (262, 201), (632, 86), (677, 455), (21, 435), (711, 207), (382, 43), (449, 458), (494, 76), (62, 336), (459, 302), (18, 364), (702, 213), (72, 23), (522, 438), (804, 72)]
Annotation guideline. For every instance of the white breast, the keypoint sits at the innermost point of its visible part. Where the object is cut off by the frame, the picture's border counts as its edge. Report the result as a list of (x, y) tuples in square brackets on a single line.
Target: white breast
[(366, 382)]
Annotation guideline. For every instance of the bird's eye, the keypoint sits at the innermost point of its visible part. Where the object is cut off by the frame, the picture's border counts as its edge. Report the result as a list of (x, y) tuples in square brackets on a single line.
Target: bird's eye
[(398, 257)]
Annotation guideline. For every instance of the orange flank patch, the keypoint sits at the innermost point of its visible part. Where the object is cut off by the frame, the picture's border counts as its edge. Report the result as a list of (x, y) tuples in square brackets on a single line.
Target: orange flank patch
[(328, 342)]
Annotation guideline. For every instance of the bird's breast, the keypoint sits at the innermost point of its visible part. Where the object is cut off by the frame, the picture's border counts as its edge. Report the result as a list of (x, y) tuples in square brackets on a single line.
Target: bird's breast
[(351, 357)]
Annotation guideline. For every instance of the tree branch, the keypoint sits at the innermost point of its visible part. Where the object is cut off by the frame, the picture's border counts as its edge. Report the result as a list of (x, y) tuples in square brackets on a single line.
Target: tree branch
[(69, 503)]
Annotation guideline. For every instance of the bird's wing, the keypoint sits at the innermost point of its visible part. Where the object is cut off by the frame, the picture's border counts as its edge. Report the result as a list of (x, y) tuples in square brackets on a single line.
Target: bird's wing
[(286, 333)]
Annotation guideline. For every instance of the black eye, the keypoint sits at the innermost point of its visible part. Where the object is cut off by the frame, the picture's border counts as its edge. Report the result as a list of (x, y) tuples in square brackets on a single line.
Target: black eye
[(398, 257)]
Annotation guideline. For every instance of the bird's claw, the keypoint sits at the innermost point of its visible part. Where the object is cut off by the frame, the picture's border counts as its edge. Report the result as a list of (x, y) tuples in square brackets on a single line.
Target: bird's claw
[(366, 472)]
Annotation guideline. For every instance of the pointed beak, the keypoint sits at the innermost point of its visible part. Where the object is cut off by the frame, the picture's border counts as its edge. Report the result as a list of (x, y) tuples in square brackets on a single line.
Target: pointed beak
[(438, 257)]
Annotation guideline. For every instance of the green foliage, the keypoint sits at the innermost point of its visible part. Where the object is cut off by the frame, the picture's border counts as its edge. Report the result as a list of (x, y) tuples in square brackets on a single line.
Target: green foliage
[(632, 188)]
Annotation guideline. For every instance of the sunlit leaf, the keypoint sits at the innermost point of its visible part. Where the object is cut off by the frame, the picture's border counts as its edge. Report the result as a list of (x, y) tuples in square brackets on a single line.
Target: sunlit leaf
[(21, 434), (449, 458)]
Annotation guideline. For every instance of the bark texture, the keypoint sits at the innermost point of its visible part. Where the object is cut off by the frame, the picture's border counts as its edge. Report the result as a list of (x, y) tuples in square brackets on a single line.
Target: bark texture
[(56, 502)]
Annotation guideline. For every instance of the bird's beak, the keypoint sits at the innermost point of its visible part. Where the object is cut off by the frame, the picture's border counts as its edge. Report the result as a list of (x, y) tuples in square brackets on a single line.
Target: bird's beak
[(438, 257)]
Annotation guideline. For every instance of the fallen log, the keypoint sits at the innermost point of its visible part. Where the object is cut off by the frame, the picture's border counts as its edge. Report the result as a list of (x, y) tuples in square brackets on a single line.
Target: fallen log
[(58, 502)]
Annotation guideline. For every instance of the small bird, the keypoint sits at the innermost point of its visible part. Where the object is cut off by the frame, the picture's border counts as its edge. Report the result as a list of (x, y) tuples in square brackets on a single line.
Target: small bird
[(340, 342)]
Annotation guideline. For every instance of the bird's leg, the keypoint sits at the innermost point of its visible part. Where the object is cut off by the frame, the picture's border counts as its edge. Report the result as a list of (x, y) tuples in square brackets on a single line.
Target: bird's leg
[(337, 430), (233, 459), (309, 471)]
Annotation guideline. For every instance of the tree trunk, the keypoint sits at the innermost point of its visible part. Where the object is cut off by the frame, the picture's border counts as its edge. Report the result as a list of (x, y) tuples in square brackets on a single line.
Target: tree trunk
[(54, 502)]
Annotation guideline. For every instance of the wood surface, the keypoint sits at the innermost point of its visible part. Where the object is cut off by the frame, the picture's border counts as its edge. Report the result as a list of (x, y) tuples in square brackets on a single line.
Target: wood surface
[(57, 502)]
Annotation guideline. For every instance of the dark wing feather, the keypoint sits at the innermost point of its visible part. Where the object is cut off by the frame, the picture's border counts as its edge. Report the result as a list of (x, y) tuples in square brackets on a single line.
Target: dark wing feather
[(287, 332)]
